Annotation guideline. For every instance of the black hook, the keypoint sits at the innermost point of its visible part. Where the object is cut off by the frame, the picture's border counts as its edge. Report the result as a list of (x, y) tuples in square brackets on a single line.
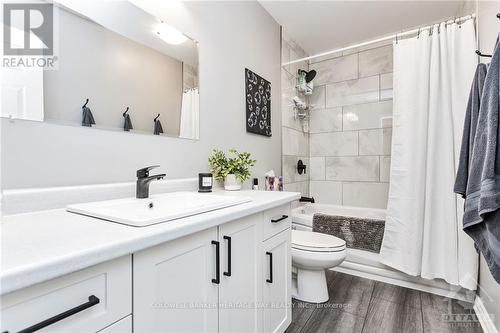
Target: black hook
[(498, 16), (158, 116), (124, 113), (483, 55), (86, 102)]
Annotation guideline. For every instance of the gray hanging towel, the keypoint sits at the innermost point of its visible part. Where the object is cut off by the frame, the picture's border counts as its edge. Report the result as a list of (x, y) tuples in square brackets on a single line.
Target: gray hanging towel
[(158, 129), (469, 132), (127, 123), (87, 117), (482, 197)]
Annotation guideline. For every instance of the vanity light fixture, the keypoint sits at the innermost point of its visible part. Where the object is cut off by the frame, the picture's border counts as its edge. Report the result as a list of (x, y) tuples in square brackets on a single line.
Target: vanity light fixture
[(169, 34)]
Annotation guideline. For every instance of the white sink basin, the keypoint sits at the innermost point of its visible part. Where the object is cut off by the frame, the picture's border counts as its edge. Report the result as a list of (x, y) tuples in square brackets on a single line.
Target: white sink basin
[(156, 209)]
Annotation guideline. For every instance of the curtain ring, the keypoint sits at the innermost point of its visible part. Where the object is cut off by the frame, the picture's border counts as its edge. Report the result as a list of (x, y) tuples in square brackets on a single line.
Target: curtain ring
[(396, 37), (418, 33)]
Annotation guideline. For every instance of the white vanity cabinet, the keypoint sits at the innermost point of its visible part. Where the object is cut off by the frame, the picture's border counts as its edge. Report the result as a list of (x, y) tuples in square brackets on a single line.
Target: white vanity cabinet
[(232, 277), (89, 300), (278, 276), (240, 287), (173, 288), (217, 280)]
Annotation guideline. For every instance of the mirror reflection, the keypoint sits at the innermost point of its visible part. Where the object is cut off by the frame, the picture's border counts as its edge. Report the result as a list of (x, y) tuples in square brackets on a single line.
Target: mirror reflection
[(138, 75)]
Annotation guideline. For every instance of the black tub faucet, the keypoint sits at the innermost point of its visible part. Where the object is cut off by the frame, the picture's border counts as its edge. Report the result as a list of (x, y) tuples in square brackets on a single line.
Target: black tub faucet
[(307, 199), (143, 180)]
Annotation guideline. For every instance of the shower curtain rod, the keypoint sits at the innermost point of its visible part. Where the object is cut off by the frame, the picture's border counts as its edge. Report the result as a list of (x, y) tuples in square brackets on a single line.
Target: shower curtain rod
[(393, 36)]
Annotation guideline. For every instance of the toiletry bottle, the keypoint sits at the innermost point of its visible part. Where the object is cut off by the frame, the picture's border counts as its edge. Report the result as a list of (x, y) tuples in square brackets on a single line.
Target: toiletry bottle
[(255, 184)]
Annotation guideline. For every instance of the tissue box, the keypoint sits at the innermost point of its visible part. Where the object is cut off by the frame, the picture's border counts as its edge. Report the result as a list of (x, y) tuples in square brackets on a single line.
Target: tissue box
[(274, 183)]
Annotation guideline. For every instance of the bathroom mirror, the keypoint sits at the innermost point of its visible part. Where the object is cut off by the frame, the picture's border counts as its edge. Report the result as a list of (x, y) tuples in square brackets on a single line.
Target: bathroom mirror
[(139, 74)]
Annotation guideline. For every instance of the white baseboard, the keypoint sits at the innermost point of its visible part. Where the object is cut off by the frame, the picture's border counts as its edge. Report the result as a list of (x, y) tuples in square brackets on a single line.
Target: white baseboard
[(484, 317)]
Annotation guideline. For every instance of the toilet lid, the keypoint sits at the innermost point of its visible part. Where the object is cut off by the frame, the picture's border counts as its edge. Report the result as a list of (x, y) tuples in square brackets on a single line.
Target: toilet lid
[(315, 241)]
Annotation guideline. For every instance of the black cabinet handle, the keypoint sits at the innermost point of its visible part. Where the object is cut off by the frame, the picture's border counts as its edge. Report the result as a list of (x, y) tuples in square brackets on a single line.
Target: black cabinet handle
[(284, 217), (228, 273), (217, 262), (270, 280), (93, 300)]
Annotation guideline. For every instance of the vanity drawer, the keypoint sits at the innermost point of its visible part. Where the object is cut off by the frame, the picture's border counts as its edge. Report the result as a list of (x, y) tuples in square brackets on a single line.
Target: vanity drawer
[(85, 301), (123, 326), (276, 220)]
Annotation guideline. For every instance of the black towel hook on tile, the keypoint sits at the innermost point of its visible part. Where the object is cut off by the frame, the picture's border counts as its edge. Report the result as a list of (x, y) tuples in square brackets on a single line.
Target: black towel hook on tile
[(86, 102), (158, 116), (483, 55), (124, 113)]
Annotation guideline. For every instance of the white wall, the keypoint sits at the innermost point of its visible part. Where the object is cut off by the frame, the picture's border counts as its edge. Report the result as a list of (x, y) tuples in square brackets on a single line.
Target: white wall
[(232, 36), (489, 27)]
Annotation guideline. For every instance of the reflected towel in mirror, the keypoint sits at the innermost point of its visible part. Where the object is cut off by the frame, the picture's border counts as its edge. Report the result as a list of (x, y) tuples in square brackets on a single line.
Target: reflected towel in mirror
[(158, 128), (127, 124), (87, 117)]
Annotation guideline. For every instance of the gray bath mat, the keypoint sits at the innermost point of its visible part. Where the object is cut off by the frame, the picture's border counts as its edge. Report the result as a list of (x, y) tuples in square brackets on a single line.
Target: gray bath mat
[(358, 233)]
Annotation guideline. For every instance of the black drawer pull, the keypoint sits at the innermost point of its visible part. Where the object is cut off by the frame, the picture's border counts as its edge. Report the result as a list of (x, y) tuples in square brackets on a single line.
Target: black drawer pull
[(228, 273), (270, 280), (284, 217), (93, 300), (217, 262)]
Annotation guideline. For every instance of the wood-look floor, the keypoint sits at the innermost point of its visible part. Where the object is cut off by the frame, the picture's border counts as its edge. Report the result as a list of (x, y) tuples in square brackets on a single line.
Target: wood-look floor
[(361, 305)]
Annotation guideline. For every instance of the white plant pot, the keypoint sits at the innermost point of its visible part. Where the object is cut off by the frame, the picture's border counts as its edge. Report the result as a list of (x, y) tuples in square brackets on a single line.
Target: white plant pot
[(231, 183)]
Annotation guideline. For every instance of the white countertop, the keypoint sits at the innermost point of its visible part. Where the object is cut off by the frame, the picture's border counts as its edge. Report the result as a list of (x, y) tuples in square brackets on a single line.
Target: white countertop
[(43, 245)]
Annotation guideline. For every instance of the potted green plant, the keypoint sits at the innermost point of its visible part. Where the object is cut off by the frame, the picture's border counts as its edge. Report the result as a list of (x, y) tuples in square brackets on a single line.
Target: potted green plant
[(233, 171)]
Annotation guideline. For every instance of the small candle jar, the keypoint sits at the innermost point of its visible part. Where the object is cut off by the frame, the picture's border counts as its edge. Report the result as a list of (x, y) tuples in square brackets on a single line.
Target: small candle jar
[(205, 182)]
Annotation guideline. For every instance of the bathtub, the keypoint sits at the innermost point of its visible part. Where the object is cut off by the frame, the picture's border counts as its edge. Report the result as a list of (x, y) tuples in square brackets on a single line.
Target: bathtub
[(302, 219), (303, 215), (367, 264)]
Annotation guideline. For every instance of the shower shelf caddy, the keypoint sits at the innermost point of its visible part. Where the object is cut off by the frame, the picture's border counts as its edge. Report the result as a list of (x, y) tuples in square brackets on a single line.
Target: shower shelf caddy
[(301, 105)]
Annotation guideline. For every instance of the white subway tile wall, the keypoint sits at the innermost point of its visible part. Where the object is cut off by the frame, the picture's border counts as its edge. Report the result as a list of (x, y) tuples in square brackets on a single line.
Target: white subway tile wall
[(359, 91), (351, 127), (295, 145), (334, 144), (327, 192), (325, 120), (317, 168), (336, 70)]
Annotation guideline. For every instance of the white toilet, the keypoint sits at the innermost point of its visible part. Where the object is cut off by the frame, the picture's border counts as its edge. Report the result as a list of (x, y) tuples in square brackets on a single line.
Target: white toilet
[(312, 254)]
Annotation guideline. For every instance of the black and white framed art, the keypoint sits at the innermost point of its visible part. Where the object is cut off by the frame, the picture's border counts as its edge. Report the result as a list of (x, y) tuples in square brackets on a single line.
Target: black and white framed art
[(258, 104)]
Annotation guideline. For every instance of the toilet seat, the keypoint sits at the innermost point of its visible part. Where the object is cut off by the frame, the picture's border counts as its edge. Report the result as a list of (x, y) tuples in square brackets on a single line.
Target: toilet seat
[(316, 242)]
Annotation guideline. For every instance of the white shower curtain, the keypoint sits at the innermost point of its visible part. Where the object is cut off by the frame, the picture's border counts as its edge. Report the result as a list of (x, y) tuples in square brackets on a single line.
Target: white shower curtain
[(190, 114), (432, 77)]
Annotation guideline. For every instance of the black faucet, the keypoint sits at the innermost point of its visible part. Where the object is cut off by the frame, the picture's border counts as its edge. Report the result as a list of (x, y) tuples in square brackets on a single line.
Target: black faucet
[(143, 180), (307, 199)]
